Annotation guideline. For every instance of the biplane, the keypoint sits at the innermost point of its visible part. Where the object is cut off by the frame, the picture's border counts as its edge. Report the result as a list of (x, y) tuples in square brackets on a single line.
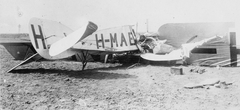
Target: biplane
[(52, 40)]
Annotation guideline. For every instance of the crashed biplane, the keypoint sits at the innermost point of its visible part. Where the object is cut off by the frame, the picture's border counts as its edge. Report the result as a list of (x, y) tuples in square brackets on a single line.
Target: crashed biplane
[(52, 40), (206, 44)]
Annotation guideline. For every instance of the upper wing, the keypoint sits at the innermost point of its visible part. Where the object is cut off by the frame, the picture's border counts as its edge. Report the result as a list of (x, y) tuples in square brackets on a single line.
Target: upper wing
[(14, 38), (18, 45)]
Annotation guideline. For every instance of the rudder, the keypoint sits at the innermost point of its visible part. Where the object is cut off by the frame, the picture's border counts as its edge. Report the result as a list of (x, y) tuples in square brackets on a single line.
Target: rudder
[(43, 33)]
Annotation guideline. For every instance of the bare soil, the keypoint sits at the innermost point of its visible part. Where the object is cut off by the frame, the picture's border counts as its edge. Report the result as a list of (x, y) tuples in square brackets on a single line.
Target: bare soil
[(62, 85)]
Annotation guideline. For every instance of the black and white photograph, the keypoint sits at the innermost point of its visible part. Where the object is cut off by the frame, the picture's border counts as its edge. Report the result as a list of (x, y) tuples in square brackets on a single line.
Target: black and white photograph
[(119, 55)]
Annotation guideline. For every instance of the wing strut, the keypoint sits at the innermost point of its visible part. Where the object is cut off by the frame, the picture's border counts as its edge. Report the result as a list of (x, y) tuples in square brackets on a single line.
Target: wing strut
[(32, 58)]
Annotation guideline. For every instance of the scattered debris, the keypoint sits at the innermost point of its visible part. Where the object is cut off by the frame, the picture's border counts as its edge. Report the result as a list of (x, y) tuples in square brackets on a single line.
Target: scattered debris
[(208, 83), (177, 71), (223, 85), (67, 79), (134, 65), (192, 86), (198, 70), (218, 67)]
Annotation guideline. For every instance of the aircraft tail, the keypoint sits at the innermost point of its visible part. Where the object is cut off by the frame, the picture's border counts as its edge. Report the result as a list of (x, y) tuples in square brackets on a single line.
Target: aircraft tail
[(53, 40)]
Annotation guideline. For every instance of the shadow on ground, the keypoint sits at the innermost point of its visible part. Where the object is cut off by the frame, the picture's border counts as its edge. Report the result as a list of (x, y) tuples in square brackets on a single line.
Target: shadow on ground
[(109, 73)]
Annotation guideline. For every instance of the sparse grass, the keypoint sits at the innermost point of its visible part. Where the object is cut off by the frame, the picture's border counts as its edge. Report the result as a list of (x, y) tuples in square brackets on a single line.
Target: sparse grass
[(62, 85)]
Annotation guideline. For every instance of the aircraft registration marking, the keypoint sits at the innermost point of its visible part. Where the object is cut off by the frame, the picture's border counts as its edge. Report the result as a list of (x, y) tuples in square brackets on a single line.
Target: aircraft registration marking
[(102, 40), (36, 37)]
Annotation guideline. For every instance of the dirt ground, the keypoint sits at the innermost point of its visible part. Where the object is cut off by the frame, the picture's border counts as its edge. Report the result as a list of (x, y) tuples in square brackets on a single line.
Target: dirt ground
[(61, 85)]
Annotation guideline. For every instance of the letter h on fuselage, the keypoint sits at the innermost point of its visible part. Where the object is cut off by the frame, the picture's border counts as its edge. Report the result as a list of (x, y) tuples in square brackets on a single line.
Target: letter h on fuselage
[(101, 40), (35, 36)]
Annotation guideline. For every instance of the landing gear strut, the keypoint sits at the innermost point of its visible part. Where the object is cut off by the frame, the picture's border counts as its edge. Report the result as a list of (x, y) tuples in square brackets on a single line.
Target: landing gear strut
[(84, 58)]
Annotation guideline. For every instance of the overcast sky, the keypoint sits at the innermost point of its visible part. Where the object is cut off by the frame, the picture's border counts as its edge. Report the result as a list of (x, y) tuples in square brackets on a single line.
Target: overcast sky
[(111, 13)]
